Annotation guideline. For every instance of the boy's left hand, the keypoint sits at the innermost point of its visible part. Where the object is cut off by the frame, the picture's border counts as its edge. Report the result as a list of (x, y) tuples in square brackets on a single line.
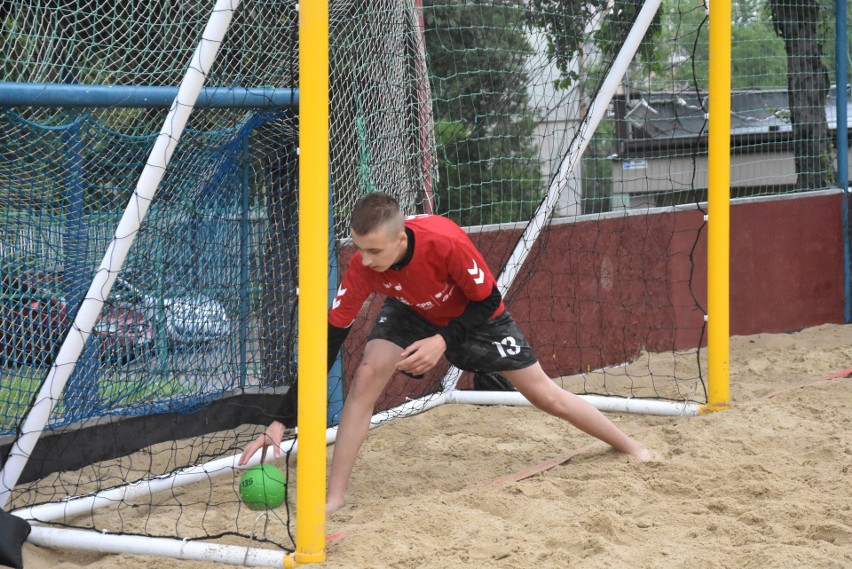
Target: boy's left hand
[(422, 355)]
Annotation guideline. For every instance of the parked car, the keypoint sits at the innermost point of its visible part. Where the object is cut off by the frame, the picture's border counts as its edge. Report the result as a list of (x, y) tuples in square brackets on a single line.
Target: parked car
[(189, 319), (31, 328), (123, 333), (34, 320)]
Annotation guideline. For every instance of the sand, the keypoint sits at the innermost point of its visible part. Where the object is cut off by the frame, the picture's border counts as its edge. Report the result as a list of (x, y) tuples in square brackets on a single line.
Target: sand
[(767, 483)]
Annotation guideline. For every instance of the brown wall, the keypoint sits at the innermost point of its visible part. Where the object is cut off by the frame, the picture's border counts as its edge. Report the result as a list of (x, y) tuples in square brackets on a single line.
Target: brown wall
[(786, 264), (596, 292)]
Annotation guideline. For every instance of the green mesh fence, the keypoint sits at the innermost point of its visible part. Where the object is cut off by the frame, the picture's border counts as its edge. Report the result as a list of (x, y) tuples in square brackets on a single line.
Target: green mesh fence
[(466, 109), (783, 106)]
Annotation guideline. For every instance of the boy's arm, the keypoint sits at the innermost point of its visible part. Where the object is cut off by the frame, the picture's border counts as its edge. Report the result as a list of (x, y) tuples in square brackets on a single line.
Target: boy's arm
[(287, 411), (422, 355), (348, 300), (475, 314)]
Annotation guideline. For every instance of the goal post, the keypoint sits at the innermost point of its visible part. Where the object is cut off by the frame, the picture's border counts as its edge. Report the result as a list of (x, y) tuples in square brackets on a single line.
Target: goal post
[(182, 314), (719, 210), (313, 281), (578, 144), (568, 164)]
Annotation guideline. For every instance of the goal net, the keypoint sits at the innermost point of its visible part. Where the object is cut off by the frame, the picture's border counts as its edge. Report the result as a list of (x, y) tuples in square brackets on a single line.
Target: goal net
[(503, 116)]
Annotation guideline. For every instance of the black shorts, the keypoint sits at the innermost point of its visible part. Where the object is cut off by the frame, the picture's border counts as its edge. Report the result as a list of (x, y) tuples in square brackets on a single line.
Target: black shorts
[(497, 345)]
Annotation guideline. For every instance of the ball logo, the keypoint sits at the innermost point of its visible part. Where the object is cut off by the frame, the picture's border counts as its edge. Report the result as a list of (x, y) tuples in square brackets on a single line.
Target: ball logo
[(263, 487)]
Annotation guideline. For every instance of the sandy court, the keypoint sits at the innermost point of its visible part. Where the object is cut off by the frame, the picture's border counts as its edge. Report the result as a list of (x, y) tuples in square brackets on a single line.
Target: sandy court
[(767, 483)]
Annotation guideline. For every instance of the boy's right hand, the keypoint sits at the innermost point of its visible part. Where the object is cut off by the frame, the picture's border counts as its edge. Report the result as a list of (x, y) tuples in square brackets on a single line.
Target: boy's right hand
[(272, 437)]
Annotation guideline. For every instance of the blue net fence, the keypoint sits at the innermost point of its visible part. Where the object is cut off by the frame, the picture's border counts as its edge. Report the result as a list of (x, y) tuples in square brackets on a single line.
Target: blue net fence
[(185, 321)]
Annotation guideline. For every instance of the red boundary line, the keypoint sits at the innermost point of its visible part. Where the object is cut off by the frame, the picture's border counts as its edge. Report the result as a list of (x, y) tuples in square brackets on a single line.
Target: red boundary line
[(337, 536), (560, 460), (543, 466), (846, 373)]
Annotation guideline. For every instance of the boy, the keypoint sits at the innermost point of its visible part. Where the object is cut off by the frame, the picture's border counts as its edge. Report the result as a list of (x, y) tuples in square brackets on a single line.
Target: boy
[(441, 300)]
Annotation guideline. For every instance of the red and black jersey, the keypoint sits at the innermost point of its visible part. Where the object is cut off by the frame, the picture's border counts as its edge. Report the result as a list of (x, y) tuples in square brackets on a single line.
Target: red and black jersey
[(445, 280), (444, 274)]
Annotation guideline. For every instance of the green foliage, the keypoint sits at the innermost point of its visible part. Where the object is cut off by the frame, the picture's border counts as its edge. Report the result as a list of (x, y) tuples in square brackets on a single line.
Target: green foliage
[(677, 45), (597, 170), (759, 59), (16, 392), (488, 169), (572, 26), (757, 54), (827, 35)]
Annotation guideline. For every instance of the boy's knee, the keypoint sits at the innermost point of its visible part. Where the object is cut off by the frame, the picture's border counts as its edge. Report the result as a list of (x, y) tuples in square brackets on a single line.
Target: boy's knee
[(548, 402), (369, 380), (369, 371), (551, 399)]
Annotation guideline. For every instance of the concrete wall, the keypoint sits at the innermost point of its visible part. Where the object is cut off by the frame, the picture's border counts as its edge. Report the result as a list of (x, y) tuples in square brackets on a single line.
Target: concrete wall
[(754, 170)]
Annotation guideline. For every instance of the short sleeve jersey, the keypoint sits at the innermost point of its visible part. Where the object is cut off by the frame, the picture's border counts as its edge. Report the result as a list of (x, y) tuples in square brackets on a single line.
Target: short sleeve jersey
[(445, 273)]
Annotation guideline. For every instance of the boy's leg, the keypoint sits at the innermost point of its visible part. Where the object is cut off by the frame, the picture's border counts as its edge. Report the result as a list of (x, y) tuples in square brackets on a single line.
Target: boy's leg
[(371, 377), (542, 392)]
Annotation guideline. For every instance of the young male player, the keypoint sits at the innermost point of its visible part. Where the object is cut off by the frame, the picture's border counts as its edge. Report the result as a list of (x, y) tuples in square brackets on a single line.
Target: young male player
[(441, 300)]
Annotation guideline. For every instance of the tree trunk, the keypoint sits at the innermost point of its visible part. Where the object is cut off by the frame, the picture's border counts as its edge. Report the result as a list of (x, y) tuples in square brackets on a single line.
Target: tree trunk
[(796, 22)]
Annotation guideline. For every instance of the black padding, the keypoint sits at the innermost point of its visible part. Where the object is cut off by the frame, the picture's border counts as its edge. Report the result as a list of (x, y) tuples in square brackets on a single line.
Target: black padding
[(13, 533)]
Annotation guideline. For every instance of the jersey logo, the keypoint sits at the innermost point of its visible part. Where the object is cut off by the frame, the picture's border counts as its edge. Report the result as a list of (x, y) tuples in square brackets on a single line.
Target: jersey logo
[(479, 277), (444, 293), (336, 302)]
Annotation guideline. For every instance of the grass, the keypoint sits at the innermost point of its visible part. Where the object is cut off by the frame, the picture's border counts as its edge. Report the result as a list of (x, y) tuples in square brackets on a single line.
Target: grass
[(117, 389)]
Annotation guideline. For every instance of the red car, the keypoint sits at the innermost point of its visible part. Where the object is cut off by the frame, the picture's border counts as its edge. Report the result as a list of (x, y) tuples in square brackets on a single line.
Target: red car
[(34, 321), (31, 328), (123, 333)]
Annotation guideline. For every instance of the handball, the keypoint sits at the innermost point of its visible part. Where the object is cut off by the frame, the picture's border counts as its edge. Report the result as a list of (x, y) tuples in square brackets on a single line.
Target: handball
[(263, 487)]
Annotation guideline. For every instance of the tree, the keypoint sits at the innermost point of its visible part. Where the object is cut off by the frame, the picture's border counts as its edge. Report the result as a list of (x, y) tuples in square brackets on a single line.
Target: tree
[(757, 59), (797, 23), (488, 169), (757, 54), (572, 25), (775, 43)]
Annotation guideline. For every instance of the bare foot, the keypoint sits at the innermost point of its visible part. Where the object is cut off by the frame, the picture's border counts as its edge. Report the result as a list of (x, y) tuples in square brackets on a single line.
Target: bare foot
[(332, 506)]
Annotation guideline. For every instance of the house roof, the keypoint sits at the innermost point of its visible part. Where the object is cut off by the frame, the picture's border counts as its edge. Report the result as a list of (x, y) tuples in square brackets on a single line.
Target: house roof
[(666, 116)]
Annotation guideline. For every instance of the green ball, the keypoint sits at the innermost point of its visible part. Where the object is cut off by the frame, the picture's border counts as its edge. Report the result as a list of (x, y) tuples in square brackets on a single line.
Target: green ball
[(263, 487)]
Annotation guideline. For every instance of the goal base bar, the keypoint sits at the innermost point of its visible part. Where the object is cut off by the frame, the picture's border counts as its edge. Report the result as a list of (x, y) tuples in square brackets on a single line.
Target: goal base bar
[(58, 538), (608, 404)]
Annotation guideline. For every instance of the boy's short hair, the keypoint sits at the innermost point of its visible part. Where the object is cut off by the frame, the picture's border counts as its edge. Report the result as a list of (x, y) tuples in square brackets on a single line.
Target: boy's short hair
[(374, 210)]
